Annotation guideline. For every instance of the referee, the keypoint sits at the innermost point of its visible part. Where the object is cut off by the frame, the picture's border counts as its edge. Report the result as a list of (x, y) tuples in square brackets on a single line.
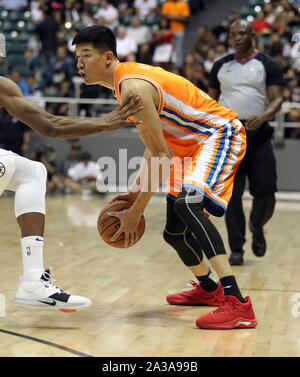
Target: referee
[(251, 83)]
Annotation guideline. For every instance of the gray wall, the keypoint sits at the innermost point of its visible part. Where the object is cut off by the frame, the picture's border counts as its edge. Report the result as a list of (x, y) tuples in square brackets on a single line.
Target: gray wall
[(109, 144)]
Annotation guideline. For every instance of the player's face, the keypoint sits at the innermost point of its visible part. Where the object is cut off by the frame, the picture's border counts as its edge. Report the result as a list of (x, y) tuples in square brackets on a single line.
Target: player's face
[(91, 64), (241, 38)]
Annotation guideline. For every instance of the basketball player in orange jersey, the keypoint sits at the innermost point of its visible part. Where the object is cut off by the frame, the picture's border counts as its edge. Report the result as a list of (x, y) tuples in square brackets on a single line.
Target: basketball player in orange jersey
[(28, 180), (179, 116)]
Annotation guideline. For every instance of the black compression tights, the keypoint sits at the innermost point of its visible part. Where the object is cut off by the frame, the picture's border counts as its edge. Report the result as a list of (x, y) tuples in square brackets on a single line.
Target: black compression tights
[(189, 229)]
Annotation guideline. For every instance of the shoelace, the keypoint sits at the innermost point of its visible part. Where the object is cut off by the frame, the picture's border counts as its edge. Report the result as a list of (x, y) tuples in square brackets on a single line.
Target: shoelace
[(225, 306), (194, 284), (49, 282)]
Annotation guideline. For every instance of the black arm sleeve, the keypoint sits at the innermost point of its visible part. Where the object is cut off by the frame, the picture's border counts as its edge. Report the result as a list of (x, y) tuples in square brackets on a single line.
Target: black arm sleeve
[(274, 74)]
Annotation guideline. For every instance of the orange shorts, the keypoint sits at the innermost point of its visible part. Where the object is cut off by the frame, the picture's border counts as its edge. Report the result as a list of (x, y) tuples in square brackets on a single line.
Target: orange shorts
[(212, 167)]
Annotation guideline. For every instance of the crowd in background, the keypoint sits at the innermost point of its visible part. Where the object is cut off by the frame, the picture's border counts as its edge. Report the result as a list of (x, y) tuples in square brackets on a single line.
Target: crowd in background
[(145, 33)]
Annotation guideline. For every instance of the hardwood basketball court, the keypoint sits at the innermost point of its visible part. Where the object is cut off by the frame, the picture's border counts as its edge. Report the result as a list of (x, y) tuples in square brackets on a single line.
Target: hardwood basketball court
[(129, 315)]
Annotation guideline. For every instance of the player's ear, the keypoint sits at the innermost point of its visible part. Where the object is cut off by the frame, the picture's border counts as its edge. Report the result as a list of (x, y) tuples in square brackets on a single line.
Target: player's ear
[(109, 57)]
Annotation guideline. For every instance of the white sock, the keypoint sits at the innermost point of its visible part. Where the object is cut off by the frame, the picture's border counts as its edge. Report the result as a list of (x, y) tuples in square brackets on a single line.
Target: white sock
[(32, 253)]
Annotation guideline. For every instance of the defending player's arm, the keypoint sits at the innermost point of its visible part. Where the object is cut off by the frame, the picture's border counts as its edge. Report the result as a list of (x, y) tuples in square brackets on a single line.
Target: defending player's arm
[(12, 99), (157, 156)]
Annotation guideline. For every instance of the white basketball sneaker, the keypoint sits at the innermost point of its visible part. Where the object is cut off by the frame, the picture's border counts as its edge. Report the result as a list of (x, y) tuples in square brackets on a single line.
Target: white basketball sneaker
[(44, 294)]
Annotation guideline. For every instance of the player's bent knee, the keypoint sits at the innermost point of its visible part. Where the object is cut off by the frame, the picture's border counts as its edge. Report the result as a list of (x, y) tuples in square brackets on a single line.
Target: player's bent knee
[(40, 171), (169, 238)]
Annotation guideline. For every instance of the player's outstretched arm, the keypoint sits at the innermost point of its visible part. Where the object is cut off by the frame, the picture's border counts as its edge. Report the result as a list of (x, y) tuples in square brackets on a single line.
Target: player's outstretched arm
[(12, 99)]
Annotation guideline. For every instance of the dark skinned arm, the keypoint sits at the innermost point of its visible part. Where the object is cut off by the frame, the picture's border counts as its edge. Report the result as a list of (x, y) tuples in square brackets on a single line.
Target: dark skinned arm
[(214, 93), (12, 99), (274, 93)]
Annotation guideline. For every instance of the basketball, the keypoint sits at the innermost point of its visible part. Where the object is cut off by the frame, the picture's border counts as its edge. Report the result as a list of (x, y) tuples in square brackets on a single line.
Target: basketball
[(109, 225)]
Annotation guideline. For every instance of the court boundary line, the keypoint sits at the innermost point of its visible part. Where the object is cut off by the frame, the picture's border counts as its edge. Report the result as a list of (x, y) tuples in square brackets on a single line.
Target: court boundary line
[(46, 342)]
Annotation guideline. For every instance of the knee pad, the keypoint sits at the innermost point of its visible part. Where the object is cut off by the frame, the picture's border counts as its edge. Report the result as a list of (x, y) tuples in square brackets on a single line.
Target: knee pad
[(31, 187)]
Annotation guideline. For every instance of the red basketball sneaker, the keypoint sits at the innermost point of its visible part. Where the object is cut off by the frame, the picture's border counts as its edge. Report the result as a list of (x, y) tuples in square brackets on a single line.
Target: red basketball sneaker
[(232, 314), (197, 296)]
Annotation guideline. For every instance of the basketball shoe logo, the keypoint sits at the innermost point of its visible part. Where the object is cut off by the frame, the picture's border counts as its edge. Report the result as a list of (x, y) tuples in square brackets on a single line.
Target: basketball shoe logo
[(53, 303), (2, 169)]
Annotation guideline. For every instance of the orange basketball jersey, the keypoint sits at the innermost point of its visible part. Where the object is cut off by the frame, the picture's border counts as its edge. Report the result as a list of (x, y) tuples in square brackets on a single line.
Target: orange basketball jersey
[(207, 140), (188, 115)]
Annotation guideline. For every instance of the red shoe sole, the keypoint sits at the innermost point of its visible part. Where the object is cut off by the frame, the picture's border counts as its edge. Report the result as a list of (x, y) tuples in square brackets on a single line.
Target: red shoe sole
[(244, 324), (215, 303)]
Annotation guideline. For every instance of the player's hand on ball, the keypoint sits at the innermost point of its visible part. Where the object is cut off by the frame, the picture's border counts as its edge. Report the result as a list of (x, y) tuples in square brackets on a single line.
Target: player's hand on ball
[(118, 117), (129, 220), (128, 197)]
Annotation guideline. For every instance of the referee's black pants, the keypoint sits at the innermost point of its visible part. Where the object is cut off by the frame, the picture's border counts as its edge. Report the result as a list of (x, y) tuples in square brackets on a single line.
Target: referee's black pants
[(259, 166)]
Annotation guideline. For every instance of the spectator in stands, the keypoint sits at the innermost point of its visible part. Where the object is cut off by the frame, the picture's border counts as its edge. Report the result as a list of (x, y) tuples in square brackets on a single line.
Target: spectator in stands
[(220, 51), (247, 94), (86, 16), (71, 13), (142, 36), (36, 10), (177, 12), (65, 91), (189, 66), (126, 46), (14, 135), (60, 68), (294, 116), (145, 8), (200, 77), (125, 7), (275, 47), (22, 84), (163, 45), (83, 176), (209, 60), (204, 41), (269, 14), (108, 15), (260, 25), (72, 159), (47, 32), (47, 157)]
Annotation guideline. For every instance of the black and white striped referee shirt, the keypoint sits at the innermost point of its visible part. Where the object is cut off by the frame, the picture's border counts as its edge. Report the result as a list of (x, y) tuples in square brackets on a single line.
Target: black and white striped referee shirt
[(243, 84)]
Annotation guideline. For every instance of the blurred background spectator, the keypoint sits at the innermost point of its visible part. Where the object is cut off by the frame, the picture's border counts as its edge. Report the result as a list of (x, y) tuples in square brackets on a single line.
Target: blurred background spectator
[(72, 159), (142, 36), (14, 135), (107, 15), (46, 155), (83, 176), (177, 12), (126, 46), (145, 8), (163, 45), (41, 58)]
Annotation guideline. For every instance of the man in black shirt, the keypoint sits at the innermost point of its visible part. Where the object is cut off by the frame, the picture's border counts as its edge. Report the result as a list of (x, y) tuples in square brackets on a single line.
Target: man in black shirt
[(47, 33), (14, 135), (245, 81)]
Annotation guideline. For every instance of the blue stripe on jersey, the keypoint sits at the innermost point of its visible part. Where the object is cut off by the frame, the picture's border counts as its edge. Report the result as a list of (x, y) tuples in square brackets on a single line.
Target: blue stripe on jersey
[(195, 130), (172, 112), (227, 155), (218, 155), (177, 122)]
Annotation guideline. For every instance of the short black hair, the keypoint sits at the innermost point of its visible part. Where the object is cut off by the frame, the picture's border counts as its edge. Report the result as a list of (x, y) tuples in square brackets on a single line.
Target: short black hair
[(100, 36), (86, 156)]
